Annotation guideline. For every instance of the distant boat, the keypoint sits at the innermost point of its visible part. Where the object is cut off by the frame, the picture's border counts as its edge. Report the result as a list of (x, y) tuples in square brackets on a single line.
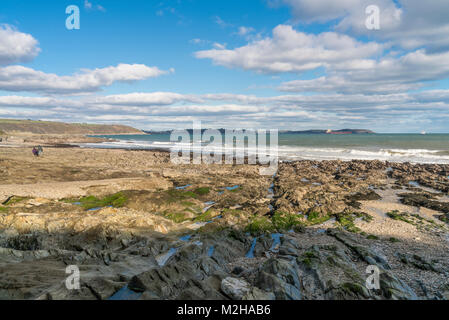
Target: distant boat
[(423, 132)]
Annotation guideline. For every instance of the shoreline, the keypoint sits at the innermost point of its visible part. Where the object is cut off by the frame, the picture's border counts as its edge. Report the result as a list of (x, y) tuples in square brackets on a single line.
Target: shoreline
[(286, 159), (167, 150), (288, 151)]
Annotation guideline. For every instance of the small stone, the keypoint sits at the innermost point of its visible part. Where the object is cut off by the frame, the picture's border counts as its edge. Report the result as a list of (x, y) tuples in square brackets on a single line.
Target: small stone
[(237, 270)]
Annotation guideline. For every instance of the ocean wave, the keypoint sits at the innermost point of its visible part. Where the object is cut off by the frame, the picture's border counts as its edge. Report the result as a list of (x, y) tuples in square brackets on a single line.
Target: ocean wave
[(297, 152), (393, 155)]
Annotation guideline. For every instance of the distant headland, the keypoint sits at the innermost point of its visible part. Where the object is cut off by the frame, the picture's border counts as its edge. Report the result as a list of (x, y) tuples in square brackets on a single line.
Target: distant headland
[(329, 131), (317, 131)]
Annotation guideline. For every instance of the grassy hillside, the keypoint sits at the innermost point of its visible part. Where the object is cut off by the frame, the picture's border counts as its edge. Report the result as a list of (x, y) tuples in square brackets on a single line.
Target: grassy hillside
[(47, 127)]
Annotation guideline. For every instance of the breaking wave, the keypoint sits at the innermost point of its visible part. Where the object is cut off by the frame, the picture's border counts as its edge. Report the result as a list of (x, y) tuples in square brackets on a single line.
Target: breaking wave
[(302, 153)]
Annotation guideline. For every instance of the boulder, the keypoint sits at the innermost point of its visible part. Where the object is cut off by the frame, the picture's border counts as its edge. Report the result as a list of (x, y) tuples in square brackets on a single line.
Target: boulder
[(235, 288)]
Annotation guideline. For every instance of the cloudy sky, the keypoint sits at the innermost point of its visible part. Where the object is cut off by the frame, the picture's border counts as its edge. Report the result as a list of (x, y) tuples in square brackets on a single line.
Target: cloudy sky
[(285, 64)]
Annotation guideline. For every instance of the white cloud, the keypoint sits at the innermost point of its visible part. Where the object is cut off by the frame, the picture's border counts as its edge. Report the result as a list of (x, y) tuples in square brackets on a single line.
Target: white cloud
[(388, 75), (26, 114), (219, 46), (25, 102), (292, 51), (198, 41), (147, 99), (19, 78), (169, 110), (412, 67), (410, 24), (318, 10), (348, 14), (350, 66), (16, 46), (221, 22), (340, 84), (89, 6), (243, 31)]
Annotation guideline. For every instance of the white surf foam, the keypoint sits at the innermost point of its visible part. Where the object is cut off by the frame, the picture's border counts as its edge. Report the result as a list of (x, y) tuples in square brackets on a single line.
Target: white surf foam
[(297, 153)]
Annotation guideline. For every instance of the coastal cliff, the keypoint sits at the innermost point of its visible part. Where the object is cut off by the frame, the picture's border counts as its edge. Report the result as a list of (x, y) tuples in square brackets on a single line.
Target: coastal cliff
[(46, 127)]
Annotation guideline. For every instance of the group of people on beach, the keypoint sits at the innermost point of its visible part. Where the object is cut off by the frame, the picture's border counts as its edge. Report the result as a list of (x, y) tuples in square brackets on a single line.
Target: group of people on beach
[(37, 151)]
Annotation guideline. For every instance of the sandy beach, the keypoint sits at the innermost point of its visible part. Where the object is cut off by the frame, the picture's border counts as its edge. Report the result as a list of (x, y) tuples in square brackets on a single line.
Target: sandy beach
[(139, 226)]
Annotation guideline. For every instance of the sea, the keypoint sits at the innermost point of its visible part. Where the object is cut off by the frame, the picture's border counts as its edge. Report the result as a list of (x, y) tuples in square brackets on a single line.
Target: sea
[(414, 148)]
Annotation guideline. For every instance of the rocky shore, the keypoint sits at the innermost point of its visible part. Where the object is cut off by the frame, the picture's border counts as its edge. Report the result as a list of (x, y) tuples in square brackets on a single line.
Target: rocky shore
[(139, 227)]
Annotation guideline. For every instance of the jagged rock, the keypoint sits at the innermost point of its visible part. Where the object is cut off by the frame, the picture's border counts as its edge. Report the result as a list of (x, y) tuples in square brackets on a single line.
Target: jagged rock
[(417, 261), (235, 288), (281, 277), (25, 242), (207, 289), (329, 273), (364, 196), (444, 292), (349, 291), (282, 289), (424, 200), (395, 289), (102, 289), (115, 247), (288, 247), (185, 271), (147, 295), (259, 295), (370, 256), (288, 251)]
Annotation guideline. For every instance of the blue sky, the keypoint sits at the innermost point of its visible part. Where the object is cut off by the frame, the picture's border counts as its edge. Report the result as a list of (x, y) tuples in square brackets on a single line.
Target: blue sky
[(144, 32), (286, 64)]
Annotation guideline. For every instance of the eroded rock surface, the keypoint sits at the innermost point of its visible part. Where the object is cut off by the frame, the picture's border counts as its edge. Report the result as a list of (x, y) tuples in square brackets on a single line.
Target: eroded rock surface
[(139, 227)]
